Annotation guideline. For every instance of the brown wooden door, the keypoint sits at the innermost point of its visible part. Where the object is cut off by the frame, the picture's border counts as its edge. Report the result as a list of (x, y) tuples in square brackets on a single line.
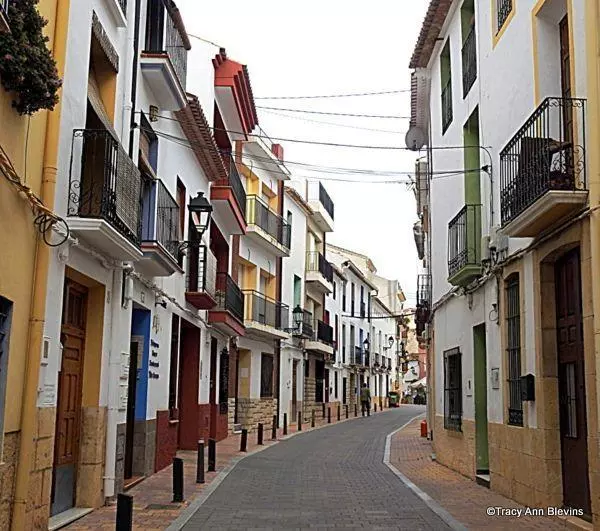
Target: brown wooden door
[(327, 385), (68, 413), (571, 383)]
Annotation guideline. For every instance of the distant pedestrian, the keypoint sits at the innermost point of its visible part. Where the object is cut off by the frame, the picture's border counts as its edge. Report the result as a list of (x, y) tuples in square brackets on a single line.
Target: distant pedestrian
[(365, 400)]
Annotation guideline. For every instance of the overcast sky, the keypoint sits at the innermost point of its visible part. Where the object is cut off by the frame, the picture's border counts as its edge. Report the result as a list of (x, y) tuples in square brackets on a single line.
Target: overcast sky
[(320, 47)]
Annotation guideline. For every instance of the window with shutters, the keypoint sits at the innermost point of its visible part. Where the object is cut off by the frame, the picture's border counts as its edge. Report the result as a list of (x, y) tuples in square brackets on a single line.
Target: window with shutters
[(513, 351), (266, 376), (453, 390), (5, 320)]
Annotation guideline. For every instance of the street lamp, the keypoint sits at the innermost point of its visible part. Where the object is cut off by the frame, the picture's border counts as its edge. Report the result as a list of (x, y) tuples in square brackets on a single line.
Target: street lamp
[(201, 211), (297, 317), (366, 344), (391, 341)]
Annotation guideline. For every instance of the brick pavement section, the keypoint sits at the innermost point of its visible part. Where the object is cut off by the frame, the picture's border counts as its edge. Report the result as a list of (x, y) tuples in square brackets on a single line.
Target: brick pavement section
[(464, 499), (329, 478)]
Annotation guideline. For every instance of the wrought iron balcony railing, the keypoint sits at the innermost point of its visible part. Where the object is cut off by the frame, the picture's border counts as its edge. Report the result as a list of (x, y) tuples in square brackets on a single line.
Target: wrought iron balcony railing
[(164, 36), (160, 217), (104, 183), (234, 181), (306, 326), (266, 311), (259, 214), (423, 302), (547, 153), (123, 5), (315, 261), (229, 296), (469, 61), (464, 239), (504, 9), (202, 270), (447, 110), (326, 200), (324, 333)]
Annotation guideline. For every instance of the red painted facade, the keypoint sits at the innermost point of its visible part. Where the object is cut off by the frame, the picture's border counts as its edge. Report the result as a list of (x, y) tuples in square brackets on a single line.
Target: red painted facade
[(166, 440)]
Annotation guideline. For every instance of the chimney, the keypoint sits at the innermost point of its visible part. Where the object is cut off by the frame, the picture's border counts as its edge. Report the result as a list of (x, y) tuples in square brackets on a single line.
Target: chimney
[(277, 150)]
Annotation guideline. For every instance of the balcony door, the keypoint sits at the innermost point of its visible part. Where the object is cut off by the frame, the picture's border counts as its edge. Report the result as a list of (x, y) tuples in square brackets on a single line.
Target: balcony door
[(155, 23)]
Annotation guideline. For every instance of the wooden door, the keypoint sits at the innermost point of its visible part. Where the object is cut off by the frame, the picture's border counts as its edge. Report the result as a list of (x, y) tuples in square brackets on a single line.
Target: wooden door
[(327, 385), (294, 390), (571, 382), (344, 390), (213, 389), (68, 411)]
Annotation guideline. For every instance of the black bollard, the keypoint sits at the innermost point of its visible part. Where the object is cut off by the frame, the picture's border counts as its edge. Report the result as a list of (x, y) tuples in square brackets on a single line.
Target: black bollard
[(375, 406), (244, 441), (285, 423), (312, 419), (328, 415), (339, 412), (124, 512), (260, 433), (274, 428), (212, 455), (200, 462), (323, 409), (346, 410), (177, 480), (299, 421), (355, 410)]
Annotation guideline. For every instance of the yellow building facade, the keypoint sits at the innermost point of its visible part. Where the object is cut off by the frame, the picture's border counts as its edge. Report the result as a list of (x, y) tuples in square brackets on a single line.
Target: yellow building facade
[(29, 144)]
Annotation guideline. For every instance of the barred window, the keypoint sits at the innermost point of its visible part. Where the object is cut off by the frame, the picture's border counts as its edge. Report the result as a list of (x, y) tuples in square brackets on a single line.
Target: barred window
[(513, 351), (503, 10), (266, 376), (453, 390)]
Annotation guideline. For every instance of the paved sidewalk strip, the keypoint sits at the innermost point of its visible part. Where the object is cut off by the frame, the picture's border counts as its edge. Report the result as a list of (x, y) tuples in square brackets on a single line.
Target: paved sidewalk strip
[(464, 499), (153, 509)]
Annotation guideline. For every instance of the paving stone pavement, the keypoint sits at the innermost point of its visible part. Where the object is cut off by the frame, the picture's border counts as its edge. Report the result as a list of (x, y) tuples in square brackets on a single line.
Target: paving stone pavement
[(328, 478)]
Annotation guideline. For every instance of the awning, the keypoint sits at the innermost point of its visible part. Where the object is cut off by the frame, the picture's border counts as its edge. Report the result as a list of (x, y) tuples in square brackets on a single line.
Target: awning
[(422, 383), (97, 104)]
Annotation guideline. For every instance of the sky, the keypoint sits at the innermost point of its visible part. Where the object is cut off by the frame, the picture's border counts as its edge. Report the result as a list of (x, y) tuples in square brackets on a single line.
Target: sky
[(322, 47)]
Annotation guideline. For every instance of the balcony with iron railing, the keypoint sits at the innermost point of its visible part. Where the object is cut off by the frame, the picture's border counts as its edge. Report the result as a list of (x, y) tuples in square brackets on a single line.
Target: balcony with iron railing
[(447, 108), (305, 328), (104, 196), (228, 313), (160, 230), (321, 205), (267, 228), (319, 272), (464, 246), (543, 169), (504, 9), (228, 198), (469, 61), (322, 340), (201, 277), (164, 59), (264, 317), (363, 309), (423, 302)]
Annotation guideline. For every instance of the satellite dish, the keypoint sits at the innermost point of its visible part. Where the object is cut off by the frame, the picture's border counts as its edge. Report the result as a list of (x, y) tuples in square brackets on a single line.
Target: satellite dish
[(415, 138)]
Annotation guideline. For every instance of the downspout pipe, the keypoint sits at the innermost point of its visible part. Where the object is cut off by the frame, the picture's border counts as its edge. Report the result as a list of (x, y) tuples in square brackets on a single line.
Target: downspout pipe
[(37, 316), (134, 77)]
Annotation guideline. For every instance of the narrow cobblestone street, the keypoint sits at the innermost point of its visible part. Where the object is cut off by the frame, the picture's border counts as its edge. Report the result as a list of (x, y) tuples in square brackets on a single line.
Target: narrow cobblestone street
[(329, 478)]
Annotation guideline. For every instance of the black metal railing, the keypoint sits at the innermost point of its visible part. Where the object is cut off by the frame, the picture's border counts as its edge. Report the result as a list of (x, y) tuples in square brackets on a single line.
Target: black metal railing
[(323, 332), (315, 261), (363, 309), (469, 61), (259, 214), (229, 296), (234, 181), (202, 269), (326, 200), (464, 239), (424, 291), (504, 9), (164, 37), (105, 183), (307, 329), (123, 5), (160, 221), (357, 356), (547, 153), (266, 311), (447, 112)]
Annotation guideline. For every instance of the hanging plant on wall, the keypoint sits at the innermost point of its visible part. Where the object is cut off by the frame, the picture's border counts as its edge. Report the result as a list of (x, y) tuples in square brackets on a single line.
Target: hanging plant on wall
[(27, 67)]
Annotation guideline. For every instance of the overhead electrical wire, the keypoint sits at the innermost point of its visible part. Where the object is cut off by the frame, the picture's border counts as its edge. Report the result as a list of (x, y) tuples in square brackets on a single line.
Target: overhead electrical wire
[(326, 96), (380, 116)]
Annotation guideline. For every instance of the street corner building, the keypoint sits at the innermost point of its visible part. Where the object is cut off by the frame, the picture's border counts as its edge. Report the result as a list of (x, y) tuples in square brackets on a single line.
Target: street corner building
[(505, 107)]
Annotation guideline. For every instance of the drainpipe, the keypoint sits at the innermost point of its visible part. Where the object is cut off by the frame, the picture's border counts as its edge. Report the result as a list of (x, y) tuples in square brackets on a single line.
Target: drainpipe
[(134, 78), (58, 41)]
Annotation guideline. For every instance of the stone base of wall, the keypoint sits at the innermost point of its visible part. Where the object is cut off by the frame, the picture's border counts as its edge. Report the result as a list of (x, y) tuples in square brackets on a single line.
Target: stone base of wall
[(455, 449), (7, 477), (230, 414), (144, 447), (309, 399), (525, 464), (92, 448), (166, 440), (251, 411)]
